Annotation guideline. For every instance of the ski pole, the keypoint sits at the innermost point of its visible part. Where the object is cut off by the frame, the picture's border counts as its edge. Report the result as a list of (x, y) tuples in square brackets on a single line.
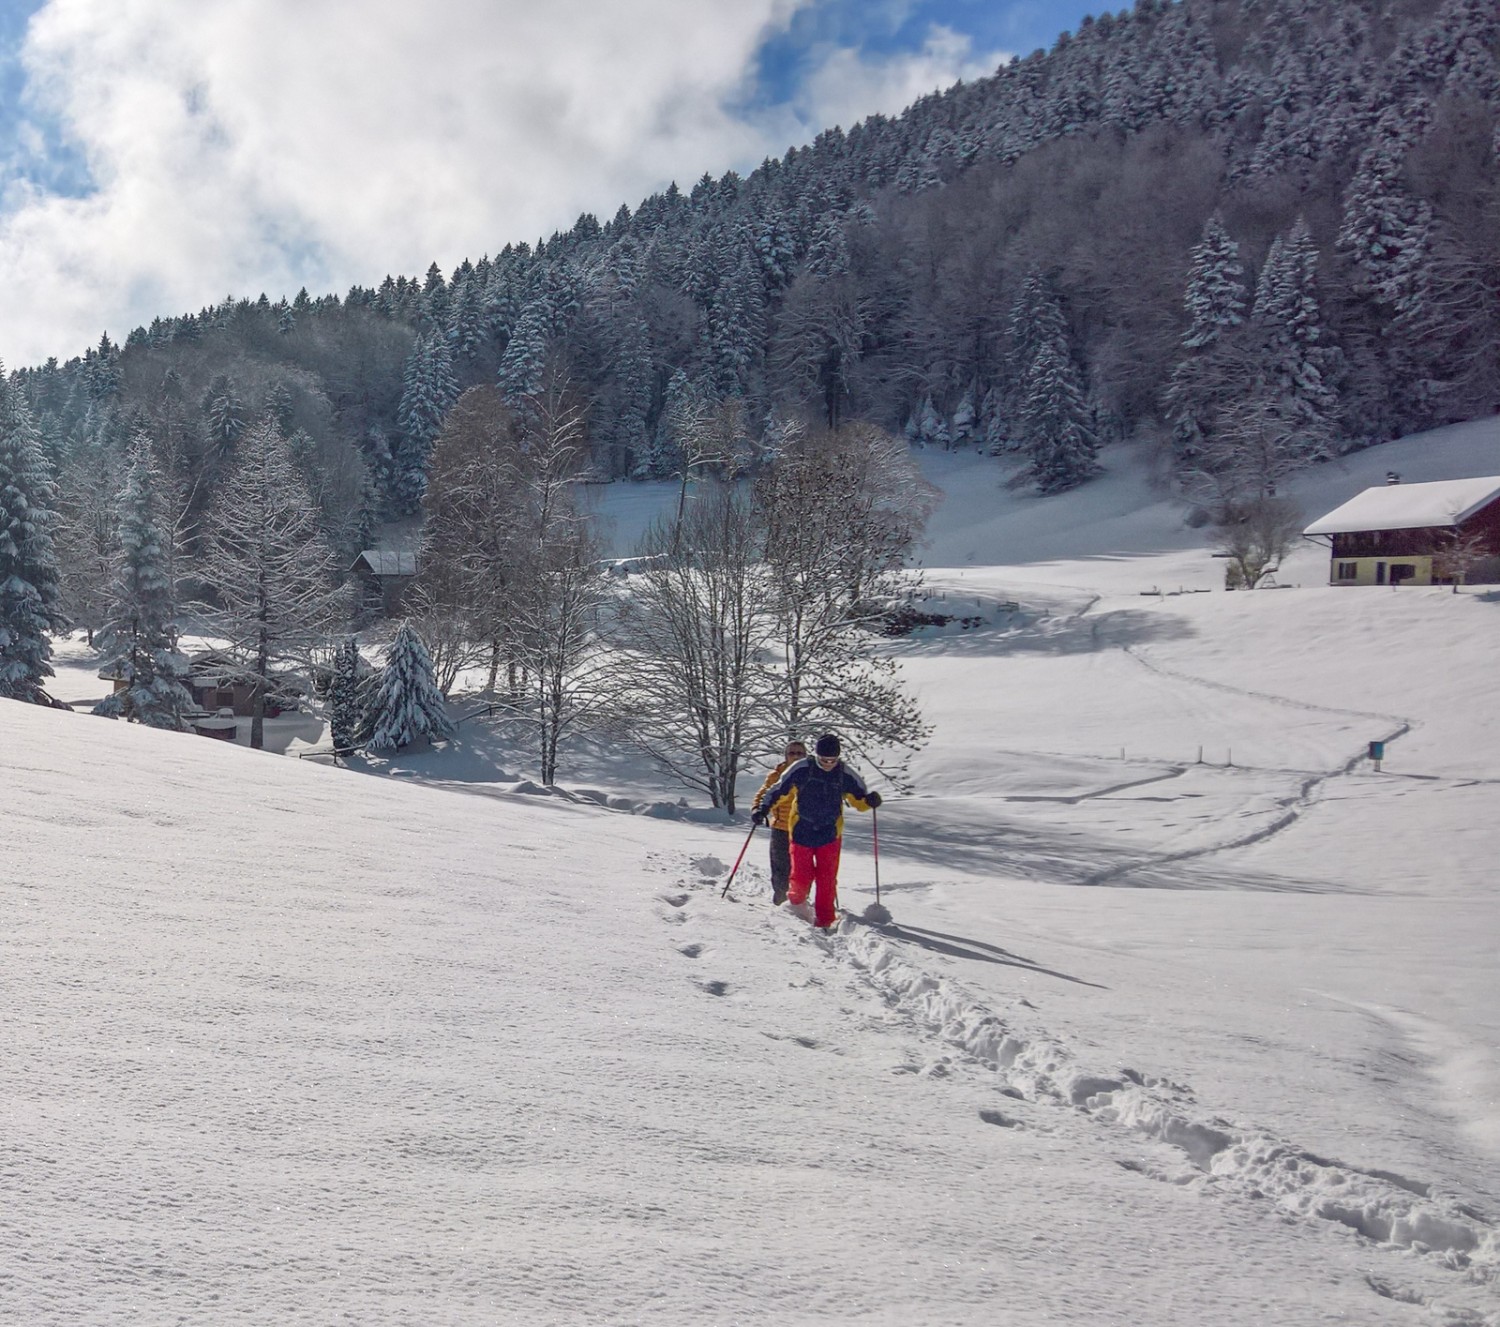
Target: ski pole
[(875, 848), (738, 860)]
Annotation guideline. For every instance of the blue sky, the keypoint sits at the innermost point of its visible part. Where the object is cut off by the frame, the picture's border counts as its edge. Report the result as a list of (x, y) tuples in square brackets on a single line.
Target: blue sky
[(159, 155), (887, 29)]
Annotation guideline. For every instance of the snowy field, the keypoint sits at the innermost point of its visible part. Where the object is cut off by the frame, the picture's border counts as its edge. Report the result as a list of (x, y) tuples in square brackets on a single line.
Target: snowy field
[(1187, 1015)]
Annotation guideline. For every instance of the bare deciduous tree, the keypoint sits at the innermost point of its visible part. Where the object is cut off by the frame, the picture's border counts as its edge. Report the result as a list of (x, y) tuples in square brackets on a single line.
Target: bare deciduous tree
[(270, 567), (474, 510), (1255, 534), (841, 510), (695, 633), (1458, 561)]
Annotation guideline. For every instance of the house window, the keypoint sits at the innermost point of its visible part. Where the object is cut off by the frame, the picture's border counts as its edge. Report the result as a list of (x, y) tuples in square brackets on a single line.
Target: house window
[(1348, 571)]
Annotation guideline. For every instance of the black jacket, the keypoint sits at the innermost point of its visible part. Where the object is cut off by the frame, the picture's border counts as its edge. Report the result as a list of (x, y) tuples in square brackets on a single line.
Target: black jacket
[(821, 794)]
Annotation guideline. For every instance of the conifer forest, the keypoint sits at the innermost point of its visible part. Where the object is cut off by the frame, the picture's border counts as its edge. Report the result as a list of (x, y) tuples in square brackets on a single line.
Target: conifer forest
[(1250, 234)]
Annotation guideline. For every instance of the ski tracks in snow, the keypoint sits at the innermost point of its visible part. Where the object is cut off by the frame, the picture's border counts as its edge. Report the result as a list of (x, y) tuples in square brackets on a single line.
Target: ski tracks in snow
[(1290, 808), (1041, 1083)]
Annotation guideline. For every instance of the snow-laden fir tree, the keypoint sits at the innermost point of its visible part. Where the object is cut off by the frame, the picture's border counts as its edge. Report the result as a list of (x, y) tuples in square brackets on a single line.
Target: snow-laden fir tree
[(520, 376), (1213, 373), (1297, 359), (224, 412), (272, 571), (933, 428), (429, 390), (140, 634), (345, 710), (1052, 418), (1216, 293), (1055, 424), (408, 705), (965, 420), (29, 594)]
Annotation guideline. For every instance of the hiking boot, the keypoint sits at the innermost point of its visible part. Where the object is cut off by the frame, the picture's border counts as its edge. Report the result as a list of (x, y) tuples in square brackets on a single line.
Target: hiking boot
[(778, 897)]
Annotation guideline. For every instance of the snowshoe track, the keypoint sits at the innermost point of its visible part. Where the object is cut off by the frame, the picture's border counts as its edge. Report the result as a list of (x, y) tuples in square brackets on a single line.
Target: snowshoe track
[(1219, 1156)]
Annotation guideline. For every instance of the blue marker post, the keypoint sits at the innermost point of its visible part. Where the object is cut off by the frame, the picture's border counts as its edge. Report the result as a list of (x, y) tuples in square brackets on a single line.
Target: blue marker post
[(1377, 754)]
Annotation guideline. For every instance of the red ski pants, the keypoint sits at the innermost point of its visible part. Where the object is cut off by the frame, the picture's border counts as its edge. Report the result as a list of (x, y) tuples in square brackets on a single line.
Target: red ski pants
[(820, 864)]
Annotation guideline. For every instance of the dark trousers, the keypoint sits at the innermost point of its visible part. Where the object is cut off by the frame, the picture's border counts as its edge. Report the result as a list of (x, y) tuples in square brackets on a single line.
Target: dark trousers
[(781, 863)]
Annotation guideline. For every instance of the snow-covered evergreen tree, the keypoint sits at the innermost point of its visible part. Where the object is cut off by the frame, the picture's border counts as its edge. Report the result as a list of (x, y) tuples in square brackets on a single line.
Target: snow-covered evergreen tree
[(828, 252), (1052, 419), (629, 400), (965, 420), (1212, 373), (29, 596), (428, 393), (660, 457), (993, 431), (345, 710), (466, 329), (1297, 359), (1055, 423), (224, 411), (526, 353), (1216, 293), (932, 427), (736, 327), (140, 635), (408, 705)]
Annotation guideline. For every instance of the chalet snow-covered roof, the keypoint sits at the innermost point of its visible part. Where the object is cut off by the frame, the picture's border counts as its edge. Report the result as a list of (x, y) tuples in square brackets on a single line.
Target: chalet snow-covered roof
[(388, 562), (1443, 502)]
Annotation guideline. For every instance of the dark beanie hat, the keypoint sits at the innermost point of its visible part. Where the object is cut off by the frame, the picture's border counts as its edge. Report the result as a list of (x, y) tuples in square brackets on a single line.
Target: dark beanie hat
[(828, 745)]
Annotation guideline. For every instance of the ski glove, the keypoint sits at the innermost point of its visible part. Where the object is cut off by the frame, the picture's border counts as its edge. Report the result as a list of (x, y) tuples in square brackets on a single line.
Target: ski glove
[(758, 817), (873, 800)]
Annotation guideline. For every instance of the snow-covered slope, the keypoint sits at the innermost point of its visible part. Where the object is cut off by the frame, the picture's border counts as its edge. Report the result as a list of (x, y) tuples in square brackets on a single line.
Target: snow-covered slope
[(1150, 1040)]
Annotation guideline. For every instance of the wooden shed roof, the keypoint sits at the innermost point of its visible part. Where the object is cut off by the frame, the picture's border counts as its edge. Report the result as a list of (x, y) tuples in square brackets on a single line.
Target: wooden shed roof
[(387, 562)]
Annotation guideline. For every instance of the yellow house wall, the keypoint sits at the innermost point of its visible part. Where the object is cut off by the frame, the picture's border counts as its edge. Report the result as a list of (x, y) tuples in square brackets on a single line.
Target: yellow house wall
[(1365, 570)]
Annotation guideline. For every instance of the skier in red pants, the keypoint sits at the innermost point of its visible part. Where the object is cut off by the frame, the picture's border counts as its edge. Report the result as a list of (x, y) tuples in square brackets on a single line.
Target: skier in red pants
[(823, 784)]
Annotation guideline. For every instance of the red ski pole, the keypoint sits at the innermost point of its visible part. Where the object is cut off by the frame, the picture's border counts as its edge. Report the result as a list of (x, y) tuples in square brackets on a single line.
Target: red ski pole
[(738, 860)]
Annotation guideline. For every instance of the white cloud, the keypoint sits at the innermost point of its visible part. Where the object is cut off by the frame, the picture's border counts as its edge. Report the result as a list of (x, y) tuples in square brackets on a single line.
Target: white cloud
[(249, 145), (846, 86)]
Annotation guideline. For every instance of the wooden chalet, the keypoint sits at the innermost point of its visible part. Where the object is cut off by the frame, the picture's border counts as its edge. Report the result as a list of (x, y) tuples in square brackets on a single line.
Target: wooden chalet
[(1398, 534), (383, 575), (221, 693)]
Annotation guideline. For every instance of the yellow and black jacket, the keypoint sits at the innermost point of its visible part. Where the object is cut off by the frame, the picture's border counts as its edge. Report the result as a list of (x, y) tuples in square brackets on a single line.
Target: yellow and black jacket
[(783, 812)]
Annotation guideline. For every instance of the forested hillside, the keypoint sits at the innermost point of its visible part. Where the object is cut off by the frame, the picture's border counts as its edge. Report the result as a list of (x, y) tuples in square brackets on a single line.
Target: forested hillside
[(1258, 231)]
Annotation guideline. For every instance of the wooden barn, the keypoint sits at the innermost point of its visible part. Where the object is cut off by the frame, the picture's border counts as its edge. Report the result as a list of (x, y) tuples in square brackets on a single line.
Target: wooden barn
[(383, 575), (1412, 534)]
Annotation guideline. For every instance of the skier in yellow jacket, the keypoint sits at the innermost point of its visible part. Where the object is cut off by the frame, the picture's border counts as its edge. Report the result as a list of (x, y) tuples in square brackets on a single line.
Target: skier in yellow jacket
[(780, 817)]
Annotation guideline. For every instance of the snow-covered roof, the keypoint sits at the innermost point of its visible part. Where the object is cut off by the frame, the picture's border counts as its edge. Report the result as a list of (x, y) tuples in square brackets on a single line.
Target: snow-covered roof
[(388, 562), (1442, 502)]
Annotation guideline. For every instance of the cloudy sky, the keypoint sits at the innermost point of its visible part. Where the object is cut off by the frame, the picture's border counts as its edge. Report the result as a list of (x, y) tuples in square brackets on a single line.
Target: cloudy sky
[(158, 155)]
